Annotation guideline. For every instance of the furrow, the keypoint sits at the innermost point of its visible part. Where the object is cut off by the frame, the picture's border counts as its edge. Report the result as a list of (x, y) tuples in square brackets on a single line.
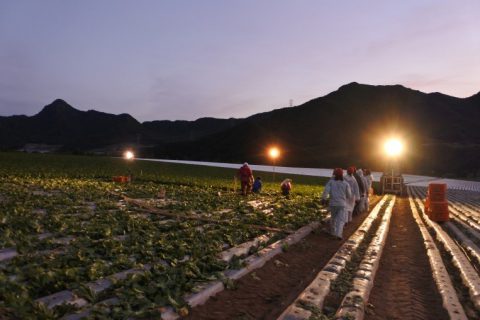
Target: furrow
[(472, 249), (440, 273), (354, 303), (319, 288), (468, 274), (209, 289)]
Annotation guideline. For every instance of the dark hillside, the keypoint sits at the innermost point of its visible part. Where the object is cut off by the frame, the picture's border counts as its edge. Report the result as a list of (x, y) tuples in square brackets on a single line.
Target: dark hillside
[(60, 124), (347, 126), (175, 131)]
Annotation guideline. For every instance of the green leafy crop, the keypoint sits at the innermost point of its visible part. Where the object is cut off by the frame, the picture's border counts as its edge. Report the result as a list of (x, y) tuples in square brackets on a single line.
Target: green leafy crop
[(70, 227)]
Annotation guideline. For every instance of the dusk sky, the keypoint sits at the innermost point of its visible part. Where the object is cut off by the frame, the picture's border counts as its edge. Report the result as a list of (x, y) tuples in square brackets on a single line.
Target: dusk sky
[(191, 59)]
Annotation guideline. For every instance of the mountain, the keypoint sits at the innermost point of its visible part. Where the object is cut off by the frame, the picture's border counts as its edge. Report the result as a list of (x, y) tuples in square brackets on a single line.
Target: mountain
[(345, 127), (177, 131), (61, 124), (349, 126)]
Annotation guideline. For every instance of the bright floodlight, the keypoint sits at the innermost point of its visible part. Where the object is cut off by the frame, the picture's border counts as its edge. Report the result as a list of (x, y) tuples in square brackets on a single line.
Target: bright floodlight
[(128, 155), (274, 153), (393, 147)]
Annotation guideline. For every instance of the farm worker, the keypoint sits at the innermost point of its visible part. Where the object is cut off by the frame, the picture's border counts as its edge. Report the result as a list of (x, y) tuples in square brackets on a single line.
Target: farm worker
[(369, 178), (246, 178), (355, 193), (257, 185), (363, 197), (338, 191), (361, 189), (286, 186)]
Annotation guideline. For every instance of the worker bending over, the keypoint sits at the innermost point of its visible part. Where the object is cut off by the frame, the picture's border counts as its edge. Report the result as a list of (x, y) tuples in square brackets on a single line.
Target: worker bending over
[(246, 178), (257, 185), (286, 187)]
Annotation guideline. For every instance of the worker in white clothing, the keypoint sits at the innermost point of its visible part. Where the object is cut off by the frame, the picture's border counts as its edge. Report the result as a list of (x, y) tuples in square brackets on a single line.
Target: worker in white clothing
[(369, 178), (363, 197), (338, 191), (350, 179)]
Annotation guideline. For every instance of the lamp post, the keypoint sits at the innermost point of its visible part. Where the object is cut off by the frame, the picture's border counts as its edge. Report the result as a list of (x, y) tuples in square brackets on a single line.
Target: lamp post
[(129, 156), (273, 152), (393, 149), (392, 180)]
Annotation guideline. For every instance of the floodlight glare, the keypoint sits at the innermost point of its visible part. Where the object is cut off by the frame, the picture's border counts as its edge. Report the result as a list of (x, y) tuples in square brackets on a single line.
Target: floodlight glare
[(129, 155), (393, 147), (274, 152)]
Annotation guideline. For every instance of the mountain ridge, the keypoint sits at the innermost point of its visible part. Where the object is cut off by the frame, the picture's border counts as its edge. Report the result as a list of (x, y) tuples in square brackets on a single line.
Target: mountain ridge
[(338, 129)]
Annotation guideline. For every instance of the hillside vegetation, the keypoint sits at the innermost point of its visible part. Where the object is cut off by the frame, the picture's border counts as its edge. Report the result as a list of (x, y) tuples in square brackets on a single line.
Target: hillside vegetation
[(342, 128)]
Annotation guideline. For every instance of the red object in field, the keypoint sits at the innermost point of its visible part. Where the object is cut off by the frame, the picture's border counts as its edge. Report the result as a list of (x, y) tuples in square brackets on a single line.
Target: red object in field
[(436, 204), (121, 179), (437, 197), (437, 191), (437, 188), (427, 206), (439, 211)]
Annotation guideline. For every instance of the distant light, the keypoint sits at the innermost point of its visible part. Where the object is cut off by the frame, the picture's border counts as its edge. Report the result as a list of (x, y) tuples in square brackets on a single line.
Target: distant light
[(129, 155), (274, 153), (393, 147)]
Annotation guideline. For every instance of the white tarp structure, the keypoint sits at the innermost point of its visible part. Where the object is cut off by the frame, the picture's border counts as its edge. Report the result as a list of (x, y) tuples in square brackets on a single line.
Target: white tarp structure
[(413, 180)]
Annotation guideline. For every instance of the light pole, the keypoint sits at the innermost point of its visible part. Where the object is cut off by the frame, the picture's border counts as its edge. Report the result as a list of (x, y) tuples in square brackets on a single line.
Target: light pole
[(129, 156), (393, 149), (392, 179), (273, 152)]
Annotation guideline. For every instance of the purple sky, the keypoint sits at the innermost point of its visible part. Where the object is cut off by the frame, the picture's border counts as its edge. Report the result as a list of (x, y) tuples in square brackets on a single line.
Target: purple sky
[(190, 59)]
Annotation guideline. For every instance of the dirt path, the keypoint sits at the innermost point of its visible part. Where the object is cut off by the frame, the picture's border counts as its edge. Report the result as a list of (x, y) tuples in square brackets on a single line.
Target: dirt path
[(266, 292), (404, 287)]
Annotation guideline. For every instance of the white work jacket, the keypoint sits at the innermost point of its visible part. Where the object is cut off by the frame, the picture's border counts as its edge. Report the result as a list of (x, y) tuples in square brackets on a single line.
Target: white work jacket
[(338, 191), (352, 182)]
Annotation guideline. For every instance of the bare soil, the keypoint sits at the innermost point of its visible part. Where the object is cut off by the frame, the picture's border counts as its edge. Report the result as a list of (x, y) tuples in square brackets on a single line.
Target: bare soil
[(265, 293), (404, 287)]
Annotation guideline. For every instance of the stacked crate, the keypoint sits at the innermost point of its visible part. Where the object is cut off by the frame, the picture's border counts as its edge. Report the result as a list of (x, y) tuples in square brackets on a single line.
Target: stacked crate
[(121, 179), (436, 204)]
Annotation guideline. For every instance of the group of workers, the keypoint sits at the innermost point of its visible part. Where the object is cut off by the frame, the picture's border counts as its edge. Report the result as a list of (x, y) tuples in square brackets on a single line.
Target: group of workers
[(248, 184), (347, 195)]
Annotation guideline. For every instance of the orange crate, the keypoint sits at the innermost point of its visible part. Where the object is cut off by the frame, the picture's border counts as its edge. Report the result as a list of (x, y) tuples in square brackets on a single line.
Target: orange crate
[(439, 216), (437, 188), (427, 206), (437, 196), (121, 179), (439, 211)]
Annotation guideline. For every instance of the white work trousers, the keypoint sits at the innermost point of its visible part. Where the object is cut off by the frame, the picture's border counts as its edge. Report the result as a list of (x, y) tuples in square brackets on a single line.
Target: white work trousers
[(337, 221), (349, 215)]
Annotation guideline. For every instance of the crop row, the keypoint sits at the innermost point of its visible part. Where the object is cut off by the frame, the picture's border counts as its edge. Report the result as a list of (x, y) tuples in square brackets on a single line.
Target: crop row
[(353, 268), (460, 256), (70, 232)]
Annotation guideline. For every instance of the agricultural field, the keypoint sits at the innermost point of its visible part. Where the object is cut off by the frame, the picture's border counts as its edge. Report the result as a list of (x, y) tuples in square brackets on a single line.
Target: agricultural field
[(76, 245), (73, 243)]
